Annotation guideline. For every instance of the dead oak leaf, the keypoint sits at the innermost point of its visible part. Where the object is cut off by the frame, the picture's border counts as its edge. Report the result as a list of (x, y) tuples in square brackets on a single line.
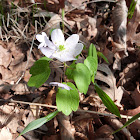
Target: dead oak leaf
[(66, 129), (5, 57), (136, 95), (132, 26), (119, 25), (5, 134), (105, 75)]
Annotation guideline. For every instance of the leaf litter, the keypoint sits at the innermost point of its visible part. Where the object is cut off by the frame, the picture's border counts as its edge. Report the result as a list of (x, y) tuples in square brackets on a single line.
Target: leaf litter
[(103, 23)]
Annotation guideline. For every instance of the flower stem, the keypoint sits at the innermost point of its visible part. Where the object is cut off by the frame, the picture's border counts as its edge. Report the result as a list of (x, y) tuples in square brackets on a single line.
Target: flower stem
[(65, 65), (63, 14)]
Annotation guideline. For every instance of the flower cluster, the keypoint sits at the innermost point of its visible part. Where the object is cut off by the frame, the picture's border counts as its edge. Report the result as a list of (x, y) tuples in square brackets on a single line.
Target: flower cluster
[(59, 48)]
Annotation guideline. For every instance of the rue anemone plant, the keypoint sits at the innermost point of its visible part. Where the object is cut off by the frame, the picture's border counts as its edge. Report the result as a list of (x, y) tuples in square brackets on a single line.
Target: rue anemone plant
[(82, 74)]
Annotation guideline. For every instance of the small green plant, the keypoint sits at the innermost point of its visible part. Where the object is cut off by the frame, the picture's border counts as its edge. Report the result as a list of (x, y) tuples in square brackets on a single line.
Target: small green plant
[(67, 96), (132, 9), (82, 74)]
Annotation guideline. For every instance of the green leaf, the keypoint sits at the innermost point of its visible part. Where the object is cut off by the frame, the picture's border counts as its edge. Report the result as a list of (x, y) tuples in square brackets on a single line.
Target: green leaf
[(39, 122), (67, 100), (45, 58), (102, 56), (82, 77), (128, 122), (69, 70), (92, 52), (93, 79), (131, 9), (40, 72), (92, 65), (107, 101)]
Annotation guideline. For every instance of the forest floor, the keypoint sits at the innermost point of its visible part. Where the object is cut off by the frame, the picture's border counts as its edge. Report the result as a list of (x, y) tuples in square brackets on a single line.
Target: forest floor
[(101, 22)]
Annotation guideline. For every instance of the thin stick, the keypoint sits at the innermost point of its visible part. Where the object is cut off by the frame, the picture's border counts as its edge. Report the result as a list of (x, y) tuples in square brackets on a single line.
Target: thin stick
[(104, 114), (79, 110), (29, 103), (94, 112)]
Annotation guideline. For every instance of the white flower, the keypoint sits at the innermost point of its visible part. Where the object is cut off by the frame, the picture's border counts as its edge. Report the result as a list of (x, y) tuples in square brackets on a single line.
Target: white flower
[(63, 86), (59, 48)]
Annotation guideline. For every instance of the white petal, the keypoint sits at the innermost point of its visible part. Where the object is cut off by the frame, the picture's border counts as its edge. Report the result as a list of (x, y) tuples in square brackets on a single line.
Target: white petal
[(57, 37), (72, 41), (63, 57), (40, 38), (41, 45), (78, 48), (47, 51), (44, 34), (50, 44), (63, 86)]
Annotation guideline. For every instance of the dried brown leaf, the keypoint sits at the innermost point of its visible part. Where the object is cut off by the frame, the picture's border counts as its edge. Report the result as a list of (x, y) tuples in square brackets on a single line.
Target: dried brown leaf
[(105, 75), (132, 26), (129, 74), (20, 88), (116, 124), (5, 57), (117, 62), (53, 23), (104, 132), (119, 25), (108, 54), (66, 129), (136, 95), (76, 3), (5, 134)]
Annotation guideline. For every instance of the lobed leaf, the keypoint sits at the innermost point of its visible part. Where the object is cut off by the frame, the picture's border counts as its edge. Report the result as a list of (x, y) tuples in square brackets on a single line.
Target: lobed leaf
[(40, 72), (69, 70), (67, 100), (82, 77), (92, 65)]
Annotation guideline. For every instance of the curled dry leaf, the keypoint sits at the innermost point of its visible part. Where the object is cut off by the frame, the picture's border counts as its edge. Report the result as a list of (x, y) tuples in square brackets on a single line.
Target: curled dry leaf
[(5, 57), (119, 25), (53, 23), (108, 54), (132, 70), (66, 129), (132, 112), (117, 62), (136, 95), (104, 132), (20, 89), (92, 29), (134, 128), (5, 134), (116, 124), (76, 3), (81, 123), (105, 75), (6, 75), (9, 117), (133, 25)]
